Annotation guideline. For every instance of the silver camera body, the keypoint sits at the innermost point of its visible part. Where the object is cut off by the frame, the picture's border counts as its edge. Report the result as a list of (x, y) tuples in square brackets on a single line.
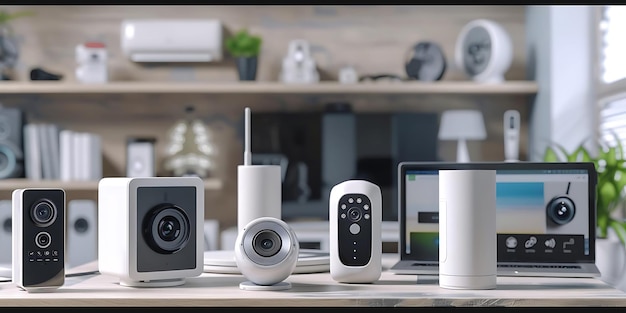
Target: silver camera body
[(266, 253)]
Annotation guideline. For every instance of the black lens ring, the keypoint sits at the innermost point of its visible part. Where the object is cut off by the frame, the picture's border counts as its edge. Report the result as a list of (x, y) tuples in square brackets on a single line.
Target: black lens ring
[(47, 221), (557, 203), (151, 228), (263, 236), (40, 235), (354, 210)]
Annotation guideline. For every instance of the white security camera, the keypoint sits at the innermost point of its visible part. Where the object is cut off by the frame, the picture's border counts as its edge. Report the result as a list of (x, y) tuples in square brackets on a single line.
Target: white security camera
[(266, 252), (150, 229)]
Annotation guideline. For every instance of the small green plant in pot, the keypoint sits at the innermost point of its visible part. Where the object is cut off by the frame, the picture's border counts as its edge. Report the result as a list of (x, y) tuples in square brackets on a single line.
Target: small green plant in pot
[(610, 194), (245, 48)]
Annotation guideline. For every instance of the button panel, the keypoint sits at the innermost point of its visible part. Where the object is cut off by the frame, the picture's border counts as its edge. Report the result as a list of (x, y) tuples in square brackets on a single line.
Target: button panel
[(43, 256)]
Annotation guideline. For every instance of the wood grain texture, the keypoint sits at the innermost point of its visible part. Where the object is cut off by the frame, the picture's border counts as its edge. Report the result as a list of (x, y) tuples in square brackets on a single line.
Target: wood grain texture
[(320, 290), (374, 39), (273, 88)]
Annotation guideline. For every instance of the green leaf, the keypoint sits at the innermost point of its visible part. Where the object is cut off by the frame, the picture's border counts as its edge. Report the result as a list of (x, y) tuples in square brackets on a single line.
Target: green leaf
[(550, 155), (5, 17), (582, 155), (242, 44)]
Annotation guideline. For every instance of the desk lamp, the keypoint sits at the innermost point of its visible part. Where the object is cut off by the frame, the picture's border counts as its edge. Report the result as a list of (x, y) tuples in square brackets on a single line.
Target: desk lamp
[(462, 125)]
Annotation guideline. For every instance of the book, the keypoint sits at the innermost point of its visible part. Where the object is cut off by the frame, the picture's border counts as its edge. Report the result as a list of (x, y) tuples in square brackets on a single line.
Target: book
[(32, 154), (66, 155)]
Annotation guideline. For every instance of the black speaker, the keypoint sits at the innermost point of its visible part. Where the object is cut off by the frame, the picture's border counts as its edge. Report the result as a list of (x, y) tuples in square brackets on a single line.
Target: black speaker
[(11, 143)]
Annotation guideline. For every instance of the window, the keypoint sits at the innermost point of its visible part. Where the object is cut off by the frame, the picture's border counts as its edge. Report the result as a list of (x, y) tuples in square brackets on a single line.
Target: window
[(611, 72)]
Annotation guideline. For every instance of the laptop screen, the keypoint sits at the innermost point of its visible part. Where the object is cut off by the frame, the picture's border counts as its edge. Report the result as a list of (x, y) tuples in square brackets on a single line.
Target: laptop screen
[(545, 211)]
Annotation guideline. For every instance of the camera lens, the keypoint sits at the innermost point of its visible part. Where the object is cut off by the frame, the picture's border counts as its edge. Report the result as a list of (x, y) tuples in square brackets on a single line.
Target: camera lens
[(43, 213), (354, 214), (266, 243), (81, 225), (42, 240), (7, 225), (167, 228), (561, 210)]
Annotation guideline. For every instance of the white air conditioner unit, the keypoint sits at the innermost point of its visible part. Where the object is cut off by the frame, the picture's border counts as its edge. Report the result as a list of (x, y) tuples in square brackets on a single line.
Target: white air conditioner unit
[(172, 40)]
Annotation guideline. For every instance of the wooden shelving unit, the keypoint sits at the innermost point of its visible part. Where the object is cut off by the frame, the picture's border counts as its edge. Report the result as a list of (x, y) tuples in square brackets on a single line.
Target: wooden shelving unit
[(10, 184), (439, 87)]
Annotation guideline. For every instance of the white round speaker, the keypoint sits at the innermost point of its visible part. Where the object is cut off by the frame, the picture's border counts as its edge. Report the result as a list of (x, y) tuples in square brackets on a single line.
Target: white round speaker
[(484, 51), (266, 252)]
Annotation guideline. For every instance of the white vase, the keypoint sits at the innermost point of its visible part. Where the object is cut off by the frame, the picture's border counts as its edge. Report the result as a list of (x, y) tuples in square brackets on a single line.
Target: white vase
[(611, 259)]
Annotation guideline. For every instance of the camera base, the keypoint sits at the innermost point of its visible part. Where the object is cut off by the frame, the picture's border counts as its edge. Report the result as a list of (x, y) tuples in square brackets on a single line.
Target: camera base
[(248, 285), (153, 283)]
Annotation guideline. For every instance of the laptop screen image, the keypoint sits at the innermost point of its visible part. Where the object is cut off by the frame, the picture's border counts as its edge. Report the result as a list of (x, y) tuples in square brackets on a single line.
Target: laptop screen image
[(545, 216)]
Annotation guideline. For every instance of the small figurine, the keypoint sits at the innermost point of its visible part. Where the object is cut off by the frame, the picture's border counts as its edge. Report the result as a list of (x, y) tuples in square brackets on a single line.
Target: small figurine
[(298, 65), (92, 62)]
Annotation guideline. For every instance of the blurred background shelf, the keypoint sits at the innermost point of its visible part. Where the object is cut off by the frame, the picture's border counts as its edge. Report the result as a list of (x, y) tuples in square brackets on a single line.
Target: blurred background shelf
[(10, 184), (152, 87)]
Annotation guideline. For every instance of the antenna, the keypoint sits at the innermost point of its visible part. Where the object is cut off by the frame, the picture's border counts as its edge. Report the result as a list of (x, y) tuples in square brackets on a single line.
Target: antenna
[(247, 154)]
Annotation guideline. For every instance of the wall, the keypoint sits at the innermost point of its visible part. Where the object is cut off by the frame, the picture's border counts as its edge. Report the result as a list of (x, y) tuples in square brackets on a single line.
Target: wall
[(560, 43), (372, 38)]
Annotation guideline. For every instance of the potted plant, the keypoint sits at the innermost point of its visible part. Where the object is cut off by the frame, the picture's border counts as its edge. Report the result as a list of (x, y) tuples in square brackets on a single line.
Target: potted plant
[(9, 49), (245, 48), (610, 164)]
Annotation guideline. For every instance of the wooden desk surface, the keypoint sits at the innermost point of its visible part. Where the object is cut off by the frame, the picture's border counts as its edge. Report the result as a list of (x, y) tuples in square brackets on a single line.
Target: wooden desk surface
[(318, 289)]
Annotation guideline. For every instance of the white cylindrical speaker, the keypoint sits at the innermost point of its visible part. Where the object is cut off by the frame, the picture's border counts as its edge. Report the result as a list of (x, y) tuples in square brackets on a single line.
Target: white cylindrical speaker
[(467, 229), (259, 193)]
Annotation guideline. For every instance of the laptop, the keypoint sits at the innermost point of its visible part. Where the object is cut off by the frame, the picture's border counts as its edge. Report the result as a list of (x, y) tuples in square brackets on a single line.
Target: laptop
[(533, 238)]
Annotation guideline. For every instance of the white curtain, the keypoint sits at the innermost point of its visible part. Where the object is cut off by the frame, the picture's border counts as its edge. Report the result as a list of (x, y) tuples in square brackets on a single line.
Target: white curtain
[(612, 71)]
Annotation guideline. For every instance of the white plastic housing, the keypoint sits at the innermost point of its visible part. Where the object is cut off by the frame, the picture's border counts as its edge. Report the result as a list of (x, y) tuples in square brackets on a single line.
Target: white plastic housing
[(501, 51), (299, 66), (371, 271), (117, 233), (92, 64), (172, 40), (82, 244), (511, 135), (259, 192), (271, 270), (467, 229)]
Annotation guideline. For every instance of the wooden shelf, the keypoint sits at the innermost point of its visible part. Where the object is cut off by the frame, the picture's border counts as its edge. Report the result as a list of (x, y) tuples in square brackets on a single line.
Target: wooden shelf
[(16, 183), (440, 87)]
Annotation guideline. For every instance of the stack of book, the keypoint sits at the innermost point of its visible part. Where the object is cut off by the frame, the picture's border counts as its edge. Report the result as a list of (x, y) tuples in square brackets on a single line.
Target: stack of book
[(61, 154)]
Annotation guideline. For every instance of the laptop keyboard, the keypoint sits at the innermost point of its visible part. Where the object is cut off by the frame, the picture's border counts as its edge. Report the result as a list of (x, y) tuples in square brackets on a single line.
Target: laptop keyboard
[(511, 265), (537, 266)]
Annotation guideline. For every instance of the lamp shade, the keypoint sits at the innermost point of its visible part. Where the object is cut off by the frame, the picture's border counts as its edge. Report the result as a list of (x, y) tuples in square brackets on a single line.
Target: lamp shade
[(462, 124)]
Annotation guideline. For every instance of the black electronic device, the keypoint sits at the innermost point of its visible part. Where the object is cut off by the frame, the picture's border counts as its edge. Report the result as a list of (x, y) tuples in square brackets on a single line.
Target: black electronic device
[(561, 209), (38, 238), (426, 61)]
